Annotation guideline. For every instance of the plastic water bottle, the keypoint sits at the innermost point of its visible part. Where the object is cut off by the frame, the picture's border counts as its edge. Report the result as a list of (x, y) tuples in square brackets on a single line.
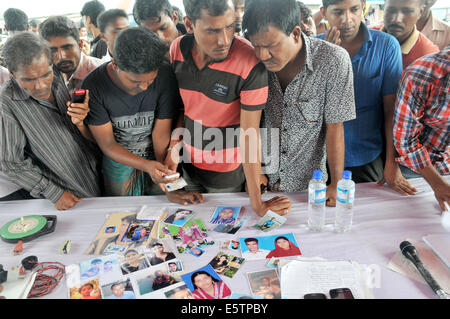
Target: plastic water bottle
[(317, 191), (344, 203)]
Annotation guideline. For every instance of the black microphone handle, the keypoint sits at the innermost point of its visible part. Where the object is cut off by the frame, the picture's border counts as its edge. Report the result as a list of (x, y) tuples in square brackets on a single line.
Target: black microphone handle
[(427, 275)]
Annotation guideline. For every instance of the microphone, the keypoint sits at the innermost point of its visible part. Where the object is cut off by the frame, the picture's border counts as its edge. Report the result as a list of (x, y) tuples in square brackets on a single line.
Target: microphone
[(410, 252)]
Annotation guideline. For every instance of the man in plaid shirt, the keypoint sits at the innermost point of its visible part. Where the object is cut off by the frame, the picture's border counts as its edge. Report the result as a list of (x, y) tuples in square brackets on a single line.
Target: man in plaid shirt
[(422, 122)]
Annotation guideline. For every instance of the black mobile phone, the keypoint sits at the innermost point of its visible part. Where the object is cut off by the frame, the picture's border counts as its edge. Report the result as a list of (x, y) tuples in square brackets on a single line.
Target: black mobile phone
[(341, 293), (78, 96), (315, 296)]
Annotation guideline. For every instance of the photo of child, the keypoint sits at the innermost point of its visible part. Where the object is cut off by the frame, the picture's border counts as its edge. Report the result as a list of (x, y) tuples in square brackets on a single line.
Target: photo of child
[(270, 221), (88, 290), (155, 279), (225, 215), (138, 232)]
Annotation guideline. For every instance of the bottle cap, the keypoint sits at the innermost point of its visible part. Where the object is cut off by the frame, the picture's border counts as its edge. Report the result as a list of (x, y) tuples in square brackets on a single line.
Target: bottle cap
[(347, 175), (317, 175)]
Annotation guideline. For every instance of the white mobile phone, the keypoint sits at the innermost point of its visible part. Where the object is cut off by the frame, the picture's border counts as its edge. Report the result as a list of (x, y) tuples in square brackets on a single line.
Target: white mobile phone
[(176, 175)]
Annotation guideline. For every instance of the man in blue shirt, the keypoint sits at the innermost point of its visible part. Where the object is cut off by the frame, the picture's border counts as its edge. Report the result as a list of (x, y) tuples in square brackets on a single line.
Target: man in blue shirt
[(377, 67)]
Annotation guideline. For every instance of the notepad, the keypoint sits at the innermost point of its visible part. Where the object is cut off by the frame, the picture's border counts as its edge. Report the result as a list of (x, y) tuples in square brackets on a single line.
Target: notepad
[(440, 244)]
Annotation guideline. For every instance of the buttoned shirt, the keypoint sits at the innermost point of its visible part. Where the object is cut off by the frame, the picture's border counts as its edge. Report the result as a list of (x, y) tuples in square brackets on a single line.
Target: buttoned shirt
[(86, 65), (437, 31), (320, 94), (41, 150), (422, 114), (377, 68)]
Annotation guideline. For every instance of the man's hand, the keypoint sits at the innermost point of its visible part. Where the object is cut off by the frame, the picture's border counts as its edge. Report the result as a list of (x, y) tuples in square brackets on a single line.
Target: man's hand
[(278, 204), (78, 111), (333, 35), (394, 178), (66, 201), (331, 196), (442, 194), (172, 159), (185, 197), (157, 172)]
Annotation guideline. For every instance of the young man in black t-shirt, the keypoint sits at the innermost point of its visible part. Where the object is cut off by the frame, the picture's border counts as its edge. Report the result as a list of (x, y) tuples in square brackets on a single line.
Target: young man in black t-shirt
[(134, 101)]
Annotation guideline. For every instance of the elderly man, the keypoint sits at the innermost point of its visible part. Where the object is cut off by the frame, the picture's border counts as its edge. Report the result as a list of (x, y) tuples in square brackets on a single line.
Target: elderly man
[(42, 146), (66, 48), (432, 27)]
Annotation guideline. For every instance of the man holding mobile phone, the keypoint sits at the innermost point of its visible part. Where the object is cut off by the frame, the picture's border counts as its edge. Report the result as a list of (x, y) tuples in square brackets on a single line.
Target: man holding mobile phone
[(41, 148)]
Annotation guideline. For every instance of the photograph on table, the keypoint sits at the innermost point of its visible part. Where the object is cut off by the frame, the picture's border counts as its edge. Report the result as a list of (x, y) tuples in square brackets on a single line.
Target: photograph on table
[(112, 237), (205, 283), (87, 290), (234, 245), (232, 229), (273, 263), (265, 283), (175, 266), (159, 251), (225, 215), (156, 278), (226, 264), (269, 222), (138, 231), (133, 260), (261, 247), (179, 217), (197, 252), (121, 289), (180, 292), (105, 268)]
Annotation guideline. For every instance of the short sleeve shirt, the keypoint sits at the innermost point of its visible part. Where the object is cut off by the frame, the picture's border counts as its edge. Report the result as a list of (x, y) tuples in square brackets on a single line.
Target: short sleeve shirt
[(132, 117), (320, 94)]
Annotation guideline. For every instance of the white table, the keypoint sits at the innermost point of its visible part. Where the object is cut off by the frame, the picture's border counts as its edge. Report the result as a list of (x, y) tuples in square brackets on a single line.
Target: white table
[(382, 220)]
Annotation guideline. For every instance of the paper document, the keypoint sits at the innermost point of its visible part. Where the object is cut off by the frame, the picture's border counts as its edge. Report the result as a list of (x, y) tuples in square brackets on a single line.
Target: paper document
[(299, 278), (440, 244)]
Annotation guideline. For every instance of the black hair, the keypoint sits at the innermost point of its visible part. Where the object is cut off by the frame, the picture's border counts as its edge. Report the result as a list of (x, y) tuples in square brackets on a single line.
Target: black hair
[(138, 50), (201, 272), (108, 17), (157, 244), (15, 19), (92, 9), (250, 239), (59, 26), (118, 283), (34, 23), (327, 3), (23, 48), (147, 9), (259, 15), (214, 8), (305, 12)]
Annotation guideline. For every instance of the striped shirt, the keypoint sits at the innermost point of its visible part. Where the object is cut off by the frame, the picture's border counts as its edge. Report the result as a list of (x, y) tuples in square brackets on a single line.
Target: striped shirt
[(41, 150), (422, 114), (213, 98)]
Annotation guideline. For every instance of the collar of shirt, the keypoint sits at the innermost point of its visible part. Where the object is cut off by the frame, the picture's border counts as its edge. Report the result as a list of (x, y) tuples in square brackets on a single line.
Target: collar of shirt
[(187, 44), (410, 42), (367, 43), (434, 24), (307, 44)]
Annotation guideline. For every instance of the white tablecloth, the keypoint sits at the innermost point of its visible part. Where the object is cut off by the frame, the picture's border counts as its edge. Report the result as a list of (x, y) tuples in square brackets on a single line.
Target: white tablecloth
[(382, 220)]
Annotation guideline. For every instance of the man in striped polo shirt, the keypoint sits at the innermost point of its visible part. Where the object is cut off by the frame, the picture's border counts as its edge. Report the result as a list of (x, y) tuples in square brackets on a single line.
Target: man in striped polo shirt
[(224, 89), (42, 146)]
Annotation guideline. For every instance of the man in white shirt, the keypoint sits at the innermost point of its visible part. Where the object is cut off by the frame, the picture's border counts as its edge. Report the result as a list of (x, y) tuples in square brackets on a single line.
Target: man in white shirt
[(253, 251)]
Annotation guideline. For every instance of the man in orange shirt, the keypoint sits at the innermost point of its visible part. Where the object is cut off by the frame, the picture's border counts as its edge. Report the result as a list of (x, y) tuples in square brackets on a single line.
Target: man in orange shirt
[(400, 18)]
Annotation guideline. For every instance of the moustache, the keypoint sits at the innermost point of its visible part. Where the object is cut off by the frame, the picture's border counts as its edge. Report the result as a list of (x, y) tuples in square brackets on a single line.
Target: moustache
[(394, 26), (58, 65)]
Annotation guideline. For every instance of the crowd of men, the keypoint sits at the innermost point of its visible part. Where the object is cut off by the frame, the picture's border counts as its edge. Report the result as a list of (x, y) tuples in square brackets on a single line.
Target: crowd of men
[(194, 95)]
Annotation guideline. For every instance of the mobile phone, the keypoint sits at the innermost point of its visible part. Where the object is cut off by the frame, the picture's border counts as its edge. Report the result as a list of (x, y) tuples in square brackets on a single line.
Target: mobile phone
[(78, 96), (176, 175), (315, 296), (341, 293)]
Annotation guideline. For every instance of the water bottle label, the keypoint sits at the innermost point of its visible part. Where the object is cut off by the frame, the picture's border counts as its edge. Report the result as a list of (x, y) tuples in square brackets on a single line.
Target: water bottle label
[(318, 196), (345, 196)]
